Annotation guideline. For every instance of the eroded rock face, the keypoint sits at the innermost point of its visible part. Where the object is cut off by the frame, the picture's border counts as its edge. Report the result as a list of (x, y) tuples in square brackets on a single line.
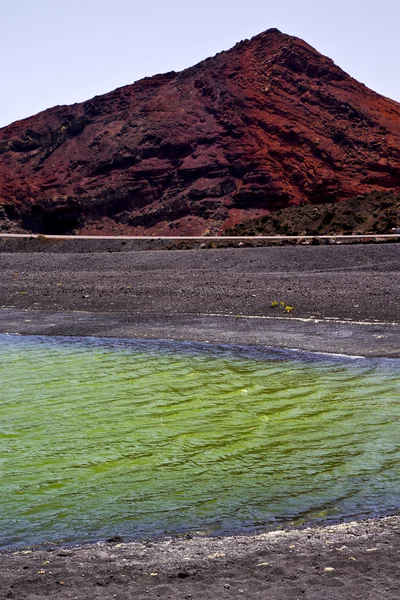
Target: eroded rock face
[(268, 124)]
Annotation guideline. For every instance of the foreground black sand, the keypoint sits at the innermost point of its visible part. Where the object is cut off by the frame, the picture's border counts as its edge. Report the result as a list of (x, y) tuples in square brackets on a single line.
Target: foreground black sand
[(345, 298), (344, 562)]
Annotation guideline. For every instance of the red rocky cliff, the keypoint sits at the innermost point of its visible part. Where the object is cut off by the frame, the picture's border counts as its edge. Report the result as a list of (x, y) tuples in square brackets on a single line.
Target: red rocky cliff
[(268, 124)]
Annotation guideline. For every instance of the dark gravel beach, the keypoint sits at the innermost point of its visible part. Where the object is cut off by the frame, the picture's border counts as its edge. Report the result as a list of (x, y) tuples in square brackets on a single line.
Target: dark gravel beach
[(345, 299), (360, 282)]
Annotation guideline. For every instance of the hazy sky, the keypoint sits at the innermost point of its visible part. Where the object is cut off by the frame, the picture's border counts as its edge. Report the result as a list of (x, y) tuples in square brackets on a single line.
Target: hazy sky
[(60, 52)]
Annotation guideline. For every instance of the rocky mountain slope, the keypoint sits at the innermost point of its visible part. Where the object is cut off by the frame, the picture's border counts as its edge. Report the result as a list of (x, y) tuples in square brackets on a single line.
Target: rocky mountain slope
[(269, 124)]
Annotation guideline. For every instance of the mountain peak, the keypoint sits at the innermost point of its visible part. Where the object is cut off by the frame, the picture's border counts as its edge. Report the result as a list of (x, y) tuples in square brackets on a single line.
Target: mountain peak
[(268, 124)]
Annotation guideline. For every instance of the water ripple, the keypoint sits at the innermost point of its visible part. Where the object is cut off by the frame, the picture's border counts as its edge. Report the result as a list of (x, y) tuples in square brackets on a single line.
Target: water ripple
[(99, 437)]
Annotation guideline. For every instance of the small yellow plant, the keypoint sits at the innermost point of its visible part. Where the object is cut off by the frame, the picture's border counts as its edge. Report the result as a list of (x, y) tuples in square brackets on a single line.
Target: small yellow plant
[(282, 305)]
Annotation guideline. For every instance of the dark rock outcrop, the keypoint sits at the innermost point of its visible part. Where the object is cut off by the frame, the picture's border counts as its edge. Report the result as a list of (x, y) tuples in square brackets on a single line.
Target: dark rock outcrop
[(268, 124), (378, 213)]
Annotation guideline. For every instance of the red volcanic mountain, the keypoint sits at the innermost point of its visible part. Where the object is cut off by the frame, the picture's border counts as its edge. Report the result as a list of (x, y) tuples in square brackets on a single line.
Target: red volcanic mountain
[(268, 124)]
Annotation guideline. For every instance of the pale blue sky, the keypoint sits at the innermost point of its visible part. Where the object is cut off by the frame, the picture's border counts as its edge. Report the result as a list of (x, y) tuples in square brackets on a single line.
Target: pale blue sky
[(60, 52)]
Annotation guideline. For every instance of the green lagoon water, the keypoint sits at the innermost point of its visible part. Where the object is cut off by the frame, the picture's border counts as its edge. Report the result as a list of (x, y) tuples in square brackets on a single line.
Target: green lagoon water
[(106, 437)]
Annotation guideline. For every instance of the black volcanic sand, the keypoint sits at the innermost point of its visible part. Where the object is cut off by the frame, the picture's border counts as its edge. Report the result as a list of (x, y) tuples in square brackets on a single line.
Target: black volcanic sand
[(174, 294), (359, 282), (342, 562)]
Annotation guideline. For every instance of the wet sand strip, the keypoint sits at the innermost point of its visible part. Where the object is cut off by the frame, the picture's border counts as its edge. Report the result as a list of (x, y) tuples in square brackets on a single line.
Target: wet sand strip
[(367, 339)]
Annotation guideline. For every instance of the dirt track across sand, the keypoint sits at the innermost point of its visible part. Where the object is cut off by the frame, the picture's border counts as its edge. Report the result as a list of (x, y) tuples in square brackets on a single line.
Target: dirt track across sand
[(147, 293)]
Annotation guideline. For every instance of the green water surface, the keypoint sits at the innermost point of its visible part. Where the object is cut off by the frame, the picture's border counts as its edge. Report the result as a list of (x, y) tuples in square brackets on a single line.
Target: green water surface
[(99, 438)]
